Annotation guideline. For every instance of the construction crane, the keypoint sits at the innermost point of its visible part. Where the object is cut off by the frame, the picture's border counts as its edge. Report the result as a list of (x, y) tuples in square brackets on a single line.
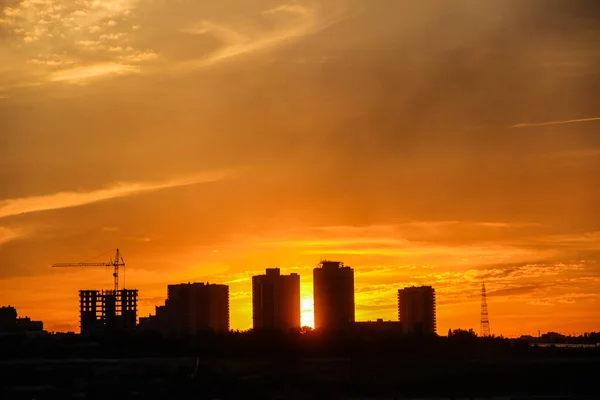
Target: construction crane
[(116, 263)]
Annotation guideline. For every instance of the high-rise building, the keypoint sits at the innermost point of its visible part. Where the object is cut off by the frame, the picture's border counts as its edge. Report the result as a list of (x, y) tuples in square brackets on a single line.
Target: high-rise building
[(416, 309), (275, 300), (333, 286), (191, 308)]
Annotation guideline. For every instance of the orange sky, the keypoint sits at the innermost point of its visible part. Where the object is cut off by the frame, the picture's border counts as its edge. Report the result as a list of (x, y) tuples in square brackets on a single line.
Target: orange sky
[(420, 142)]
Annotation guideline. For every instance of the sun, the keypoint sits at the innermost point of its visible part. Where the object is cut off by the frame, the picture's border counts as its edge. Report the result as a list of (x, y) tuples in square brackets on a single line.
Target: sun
[(307, 317)]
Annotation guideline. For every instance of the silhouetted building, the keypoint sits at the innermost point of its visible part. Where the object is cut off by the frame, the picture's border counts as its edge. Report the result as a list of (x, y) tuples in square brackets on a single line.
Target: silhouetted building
[(11, 324), (416, 309), (107, 310), (379, 326), (333, 285), (553, 337), (275, 300), (8, 317), (191, 308)]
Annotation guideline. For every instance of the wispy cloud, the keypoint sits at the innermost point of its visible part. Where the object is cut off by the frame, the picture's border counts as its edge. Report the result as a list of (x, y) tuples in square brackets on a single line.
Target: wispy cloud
[(298, 21), (390, 243), (82, 73), (569, 121), (61, 200)]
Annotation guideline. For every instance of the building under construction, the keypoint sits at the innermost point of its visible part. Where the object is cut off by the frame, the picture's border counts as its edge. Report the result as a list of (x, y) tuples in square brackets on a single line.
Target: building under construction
[(107, 310)]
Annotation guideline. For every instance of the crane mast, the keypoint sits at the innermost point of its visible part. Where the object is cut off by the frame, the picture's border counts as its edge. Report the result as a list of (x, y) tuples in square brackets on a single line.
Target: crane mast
[(115, 263)]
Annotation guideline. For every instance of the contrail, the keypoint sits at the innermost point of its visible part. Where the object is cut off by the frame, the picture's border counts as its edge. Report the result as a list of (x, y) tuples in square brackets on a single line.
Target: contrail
[(570, 121)]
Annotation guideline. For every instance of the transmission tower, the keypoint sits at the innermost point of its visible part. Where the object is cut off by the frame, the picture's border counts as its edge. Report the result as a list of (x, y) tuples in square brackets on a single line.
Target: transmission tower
[(485, 322)]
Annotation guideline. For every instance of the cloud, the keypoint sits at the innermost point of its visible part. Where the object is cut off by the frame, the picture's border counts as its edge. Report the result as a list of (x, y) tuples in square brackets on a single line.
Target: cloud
[(295, 21), (512, 291), (82, 73), (569, 121), (401, 248), (139, 56), (52, 60), (61, 200), (70, 41), (101, 38)]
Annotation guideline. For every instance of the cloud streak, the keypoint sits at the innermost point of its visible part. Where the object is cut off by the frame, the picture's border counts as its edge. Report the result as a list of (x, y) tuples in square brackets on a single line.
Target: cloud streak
[(82, 73), (238, 41), (569, 121), (12, 207)]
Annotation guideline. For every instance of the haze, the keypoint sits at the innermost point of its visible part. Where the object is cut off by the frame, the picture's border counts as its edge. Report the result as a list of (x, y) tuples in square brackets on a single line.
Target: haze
[(420, 142)]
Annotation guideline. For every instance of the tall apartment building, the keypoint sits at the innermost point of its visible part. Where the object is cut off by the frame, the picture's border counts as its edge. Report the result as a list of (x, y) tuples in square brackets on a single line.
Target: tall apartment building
[(191, 308), (333, 286), (275, 300), (416, 309)]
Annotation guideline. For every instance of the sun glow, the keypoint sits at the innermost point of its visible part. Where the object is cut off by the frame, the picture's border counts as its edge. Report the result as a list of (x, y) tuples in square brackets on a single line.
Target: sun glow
[(307, 317)]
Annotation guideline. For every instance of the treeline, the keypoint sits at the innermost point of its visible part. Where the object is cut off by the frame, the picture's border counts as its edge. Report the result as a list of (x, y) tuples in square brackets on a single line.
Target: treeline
[(277, 345)]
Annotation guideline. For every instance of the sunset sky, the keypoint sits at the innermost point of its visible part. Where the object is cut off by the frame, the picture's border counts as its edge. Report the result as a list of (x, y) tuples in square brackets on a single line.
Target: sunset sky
[(421, 142)]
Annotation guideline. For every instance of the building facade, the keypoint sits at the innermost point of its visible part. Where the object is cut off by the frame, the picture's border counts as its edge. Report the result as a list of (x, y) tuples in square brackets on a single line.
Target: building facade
[(107, 310), (191, 308), (333, 286), (275, 301), (416, 309)]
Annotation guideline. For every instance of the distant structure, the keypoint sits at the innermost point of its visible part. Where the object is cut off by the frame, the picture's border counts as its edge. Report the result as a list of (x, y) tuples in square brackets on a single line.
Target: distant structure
[(10, 323), (333, 286), (275, 301), (107, 310), (378, 326), (416, 309), (191, 308), (485, 323)]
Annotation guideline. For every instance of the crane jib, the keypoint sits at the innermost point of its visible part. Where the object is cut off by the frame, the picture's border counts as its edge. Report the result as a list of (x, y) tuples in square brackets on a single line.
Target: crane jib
[(118, 262)]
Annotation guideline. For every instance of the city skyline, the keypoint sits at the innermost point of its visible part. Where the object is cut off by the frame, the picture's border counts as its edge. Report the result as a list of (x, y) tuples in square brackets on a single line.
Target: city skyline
[(196, 306), (307, 303), (421, 142)]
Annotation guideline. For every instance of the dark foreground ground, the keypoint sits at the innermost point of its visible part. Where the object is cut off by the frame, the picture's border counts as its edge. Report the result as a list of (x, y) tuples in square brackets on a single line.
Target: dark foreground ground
[(317, 378)]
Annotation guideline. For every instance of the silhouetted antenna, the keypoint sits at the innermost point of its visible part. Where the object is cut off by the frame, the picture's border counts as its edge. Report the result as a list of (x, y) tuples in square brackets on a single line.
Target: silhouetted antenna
[(485, 322)]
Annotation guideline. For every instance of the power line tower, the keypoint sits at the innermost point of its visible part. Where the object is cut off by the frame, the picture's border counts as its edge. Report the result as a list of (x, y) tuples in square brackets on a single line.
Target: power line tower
[(485, 323)]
